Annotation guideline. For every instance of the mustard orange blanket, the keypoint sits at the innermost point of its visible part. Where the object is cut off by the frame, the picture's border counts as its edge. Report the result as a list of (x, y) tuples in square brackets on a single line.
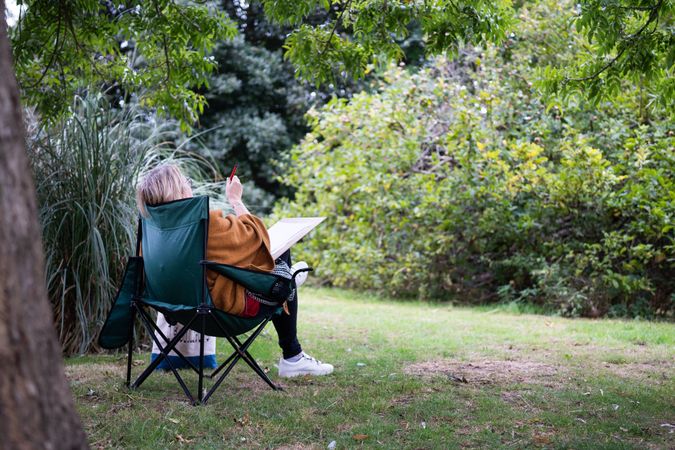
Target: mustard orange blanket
[(239, 241)]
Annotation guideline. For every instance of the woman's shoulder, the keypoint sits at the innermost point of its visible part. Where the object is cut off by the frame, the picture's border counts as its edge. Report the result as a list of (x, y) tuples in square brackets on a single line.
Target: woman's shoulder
[(218, 214), (219, 219), (215, 213)]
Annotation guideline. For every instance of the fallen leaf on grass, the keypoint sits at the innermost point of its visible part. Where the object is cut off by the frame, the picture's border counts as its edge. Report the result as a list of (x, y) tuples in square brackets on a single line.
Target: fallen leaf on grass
[(182, 440), (541, 439), (176, 421), (360, 437), (246, 420), (457, 379)]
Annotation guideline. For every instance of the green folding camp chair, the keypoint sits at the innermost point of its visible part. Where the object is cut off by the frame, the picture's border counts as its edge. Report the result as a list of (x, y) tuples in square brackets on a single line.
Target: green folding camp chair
[(170, 277)]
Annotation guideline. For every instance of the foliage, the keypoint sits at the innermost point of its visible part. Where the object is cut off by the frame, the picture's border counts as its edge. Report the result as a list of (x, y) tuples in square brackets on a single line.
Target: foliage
[(158, 50), (256, 106), (369, 32), (458, 179), (255, 113), (614, 40), (619, 40)]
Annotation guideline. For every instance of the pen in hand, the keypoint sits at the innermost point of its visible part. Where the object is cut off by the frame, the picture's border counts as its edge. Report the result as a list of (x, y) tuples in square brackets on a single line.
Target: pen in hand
[(234, 170), (234, 192)]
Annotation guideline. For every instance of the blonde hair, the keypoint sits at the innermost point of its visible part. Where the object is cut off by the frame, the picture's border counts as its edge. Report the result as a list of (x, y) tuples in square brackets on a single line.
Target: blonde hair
[(162, 184)]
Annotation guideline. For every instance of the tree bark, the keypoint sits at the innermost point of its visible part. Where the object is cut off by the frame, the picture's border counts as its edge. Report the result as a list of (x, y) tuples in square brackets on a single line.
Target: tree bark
[(36, 405)]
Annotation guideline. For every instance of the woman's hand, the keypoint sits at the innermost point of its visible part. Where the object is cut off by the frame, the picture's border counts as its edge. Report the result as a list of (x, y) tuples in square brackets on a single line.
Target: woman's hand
[(233, 192)]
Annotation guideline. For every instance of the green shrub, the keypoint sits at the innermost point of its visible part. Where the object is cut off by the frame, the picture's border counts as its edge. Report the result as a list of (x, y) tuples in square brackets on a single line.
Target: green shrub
[(459, 180)]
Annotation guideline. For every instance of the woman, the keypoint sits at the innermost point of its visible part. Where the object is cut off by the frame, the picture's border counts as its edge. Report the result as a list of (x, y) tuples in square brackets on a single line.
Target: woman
[(238, 239)]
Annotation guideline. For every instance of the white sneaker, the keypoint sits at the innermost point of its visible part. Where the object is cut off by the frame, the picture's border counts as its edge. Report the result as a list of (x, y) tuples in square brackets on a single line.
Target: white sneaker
[(302, 276), (306, 365)]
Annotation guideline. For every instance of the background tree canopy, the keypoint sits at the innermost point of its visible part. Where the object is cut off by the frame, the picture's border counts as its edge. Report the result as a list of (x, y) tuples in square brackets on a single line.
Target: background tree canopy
[(619, 40), (160, 49)]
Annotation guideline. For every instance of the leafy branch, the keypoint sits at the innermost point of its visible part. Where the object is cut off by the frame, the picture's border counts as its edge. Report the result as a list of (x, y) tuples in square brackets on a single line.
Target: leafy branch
[(626, 43), (165, 46), (54, 43), (58, 47), (338, 20)]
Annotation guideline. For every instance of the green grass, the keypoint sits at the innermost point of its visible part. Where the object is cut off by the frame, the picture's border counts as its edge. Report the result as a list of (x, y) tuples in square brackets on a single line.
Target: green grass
[(532, 382)]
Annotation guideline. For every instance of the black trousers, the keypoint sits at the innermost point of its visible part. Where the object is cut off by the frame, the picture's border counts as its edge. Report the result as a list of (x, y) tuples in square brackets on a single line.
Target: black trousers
[(286, 324)]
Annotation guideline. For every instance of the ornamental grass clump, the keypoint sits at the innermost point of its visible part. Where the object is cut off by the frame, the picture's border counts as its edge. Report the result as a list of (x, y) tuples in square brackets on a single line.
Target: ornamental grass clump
[(85, 168)]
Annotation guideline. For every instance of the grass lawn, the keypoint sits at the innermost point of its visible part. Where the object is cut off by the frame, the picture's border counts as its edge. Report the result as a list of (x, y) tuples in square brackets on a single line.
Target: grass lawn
[(409, 375)]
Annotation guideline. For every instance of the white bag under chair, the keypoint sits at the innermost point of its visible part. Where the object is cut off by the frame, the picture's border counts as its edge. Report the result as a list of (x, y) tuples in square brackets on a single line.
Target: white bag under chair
[(188, 346)]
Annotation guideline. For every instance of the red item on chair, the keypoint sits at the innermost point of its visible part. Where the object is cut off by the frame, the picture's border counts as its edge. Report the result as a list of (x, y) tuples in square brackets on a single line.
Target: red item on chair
[(252, 306)]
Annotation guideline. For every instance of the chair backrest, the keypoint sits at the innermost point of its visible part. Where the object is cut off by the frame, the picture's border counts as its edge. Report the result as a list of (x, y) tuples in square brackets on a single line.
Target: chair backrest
[(174, 243)]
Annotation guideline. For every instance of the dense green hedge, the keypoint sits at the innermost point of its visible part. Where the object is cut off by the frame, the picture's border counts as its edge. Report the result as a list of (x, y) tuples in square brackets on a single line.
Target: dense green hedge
[(457, 179)]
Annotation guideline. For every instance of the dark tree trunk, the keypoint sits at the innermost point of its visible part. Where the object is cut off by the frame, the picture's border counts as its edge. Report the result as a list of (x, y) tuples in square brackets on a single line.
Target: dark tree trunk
[(36, 406)]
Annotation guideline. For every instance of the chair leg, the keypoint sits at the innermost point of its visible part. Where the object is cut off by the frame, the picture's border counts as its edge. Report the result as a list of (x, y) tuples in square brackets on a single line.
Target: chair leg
[(240, 351), (246, 356), (200, 385), (253, 364), (152, 328), (175, 350), (222, 377), (261, 373), (164, 352), (222, 366), (131, 342)]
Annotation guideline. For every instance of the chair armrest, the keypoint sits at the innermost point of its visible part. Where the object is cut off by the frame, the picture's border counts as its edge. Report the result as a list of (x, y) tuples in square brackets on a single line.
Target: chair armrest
[(265, 284)]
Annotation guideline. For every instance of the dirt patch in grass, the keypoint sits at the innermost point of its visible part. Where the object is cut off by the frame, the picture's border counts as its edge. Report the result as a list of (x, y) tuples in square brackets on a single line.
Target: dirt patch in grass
[(94, 373), (511, 370), (489, 371), (403, 400), (654, 371), (299, 447)]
